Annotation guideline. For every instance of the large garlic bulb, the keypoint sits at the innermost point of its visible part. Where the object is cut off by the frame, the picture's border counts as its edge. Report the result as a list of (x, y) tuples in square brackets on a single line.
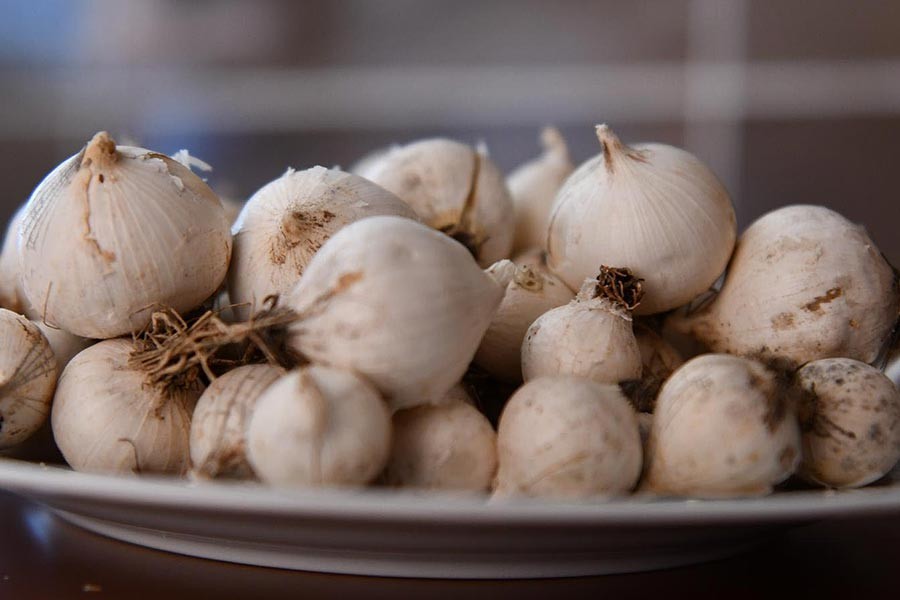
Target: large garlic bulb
[(805, 283), (12, 296), (288, 220), (108, 418), (723, 427), (27, 378), (533, 187), (453, 188), (113, 233), (64, 344), (396, 302), (652, 208)]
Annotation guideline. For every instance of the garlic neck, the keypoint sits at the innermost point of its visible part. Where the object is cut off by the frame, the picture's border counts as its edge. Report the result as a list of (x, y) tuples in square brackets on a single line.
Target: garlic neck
[(615, 153), (100, 152)]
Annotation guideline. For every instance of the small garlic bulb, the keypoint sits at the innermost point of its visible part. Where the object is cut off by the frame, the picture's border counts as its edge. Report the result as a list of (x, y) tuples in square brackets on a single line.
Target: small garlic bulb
[(218, 426), (529, 294), (114, 232), (653, 208), (64, 344), (453, 188), (27, 378), (319, 426), (107, 418), (396, 302), (659, 360), (805, 283), (533, 187), (288, 220), (567, 437), (850, 418), (722, 427)]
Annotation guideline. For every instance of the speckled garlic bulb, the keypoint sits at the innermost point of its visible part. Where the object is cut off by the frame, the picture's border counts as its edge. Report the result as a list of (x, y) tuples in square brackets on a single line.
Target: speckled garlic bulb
[(653, 208), (659, 360), (805, 283), (533, 187), (114, 232), (219, 424), (288, 220), (567, 437), (528, 295), (64, 345), (455, 189), (319, 426), (27, 378), (107, 418), (850, 418), (396, 302), (723, 427)]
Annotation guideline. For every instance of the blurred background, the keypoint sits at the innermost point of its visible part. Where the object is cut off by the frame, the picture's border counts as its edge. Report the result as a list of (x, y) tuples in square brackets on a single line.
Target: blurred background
[(789, 101)]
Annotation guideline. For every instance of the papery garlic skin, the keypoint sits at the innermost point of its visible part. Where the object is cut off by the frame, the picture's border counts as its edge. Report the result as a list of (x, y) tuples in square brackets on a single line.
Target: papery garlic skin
[(107, 418), (805, 283), (567, 437), (453, 188), (27, 378), (64, 344), (653, 208), (219, 423), (12, 296), (850, 418), (113, 233), (286, 222), (723, 427), (533, 187), (319, 426), (400, 304)]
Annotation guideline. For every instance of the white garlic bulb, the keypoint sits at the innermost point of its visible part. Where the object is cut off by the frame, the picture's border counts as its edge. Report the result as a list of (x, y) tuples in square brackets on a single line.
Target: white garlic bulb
[(453, 188), (653, 208), (64, 344), (528, 295), (108, 418), (218, 426), (659, 360), (723, 427), (533, 187), (850, 419), (114, 232), (567, 437), (805, 283), (12, 296), (319, 426), (396, 302), (27, 378)]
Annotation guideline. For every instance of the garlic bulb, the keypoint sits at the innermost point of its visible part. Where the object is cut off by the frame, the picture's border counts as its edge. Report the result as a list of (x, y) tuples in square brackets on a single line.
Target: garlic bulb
[(218, 426), (396, 302), (659, 360), (27, 378), (454, 189), (107, 418), (567, 437), (850, 418), (653, 208), (590, 337), (533, 187), (319, 426), (114, 232), (805, 283), (12, 296), (64, 345), (288, 220), (723, 427)]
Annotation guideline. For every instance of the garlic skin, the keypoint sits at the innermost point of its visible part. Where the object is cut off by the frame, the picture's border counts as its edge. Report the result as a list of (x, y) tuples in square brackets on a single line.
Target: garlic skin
[(659, 360), (106, 418), (319, 426), (63, 344), (533, 187), (27, 378), (850, 419), (12, 296), (219, 423), (455, 189), (113, 233), (396, 302), (723, 427), (567, 437), (653, 208), (805, 283), (288, 220)]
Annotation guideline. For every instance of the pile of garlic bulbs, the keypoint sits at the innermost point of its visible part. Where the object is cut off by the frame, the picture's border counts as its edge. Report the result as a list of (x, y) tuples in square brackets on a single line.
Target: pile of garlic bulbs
[(424, 323)]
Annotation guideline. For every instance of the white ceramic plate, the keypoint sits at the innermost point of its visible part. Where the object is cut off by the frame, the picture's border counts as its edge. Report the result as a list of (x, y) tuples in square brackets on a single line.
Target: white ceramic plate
[(423, 535)]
